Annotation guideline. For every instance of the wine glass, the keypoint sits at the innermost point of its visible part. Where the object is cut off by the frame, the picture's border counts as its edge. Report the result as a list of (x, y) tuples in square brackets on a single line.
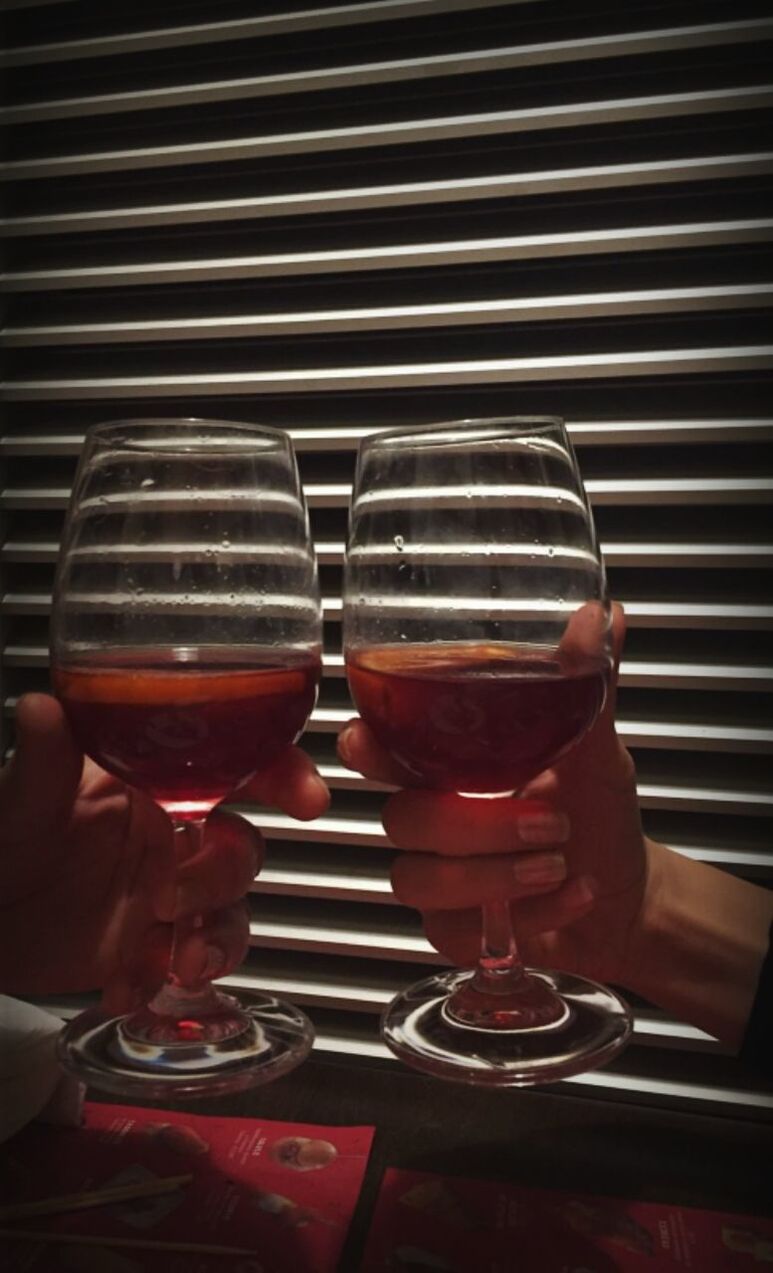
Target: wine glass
[(477, 649), (185, 644)]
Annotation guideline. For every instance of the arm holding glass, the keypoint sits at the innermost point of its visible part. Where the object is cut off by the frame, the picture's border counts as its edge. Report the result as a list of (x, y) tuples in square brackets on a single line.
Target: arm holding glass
[(621, 908), (186, 653), (88, 886)]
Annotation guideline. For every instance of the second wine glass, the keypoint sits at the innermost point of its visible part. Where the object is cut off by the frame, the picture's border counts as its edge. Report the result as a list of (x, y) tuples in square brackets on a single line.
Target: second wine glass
[(477, 647), (185, 641)]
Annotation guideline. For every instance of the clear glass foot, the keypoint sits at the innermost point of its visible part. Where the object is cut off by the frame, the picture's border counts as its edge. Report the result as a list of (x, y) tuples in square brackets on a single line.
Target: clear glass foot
[(234, 1045), (564, 1026)]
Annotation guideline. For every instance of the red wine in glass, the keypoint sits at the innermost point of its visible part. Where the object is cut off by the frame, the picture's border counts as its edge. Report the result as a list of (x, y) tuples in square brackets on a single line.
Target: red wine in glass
[(473, 716), (188, 732), (476, 635), (185, 649)]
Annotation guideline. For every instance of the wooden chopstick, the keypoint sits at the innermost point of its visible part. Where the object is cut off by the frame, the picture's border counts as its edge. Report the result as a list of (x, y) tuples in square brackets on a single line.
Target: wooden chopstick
[(93, 1198), (138, 1244)]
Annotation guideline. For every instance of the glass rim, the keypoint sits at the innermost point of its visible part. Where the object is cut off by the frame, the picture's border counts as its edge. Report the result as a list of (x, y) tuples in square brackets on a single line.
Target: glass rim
[(476, 426), (118, 433)]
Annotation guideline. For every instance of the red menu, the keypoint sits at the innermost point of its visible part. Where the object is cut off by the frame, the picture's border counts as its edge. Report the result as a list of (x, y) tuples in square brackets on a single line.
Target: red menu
[(284, 1192), (436, 1224)]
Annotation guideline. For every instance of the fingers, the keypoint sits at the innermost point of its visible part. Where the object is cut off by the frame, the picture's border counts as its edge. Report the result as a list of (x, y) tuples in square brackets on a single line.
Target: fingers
[(143, 967), (585, 638), (549, 913), (600, 748), (618, 641), (441, 822), (457, 934), (429, 882), (216, 948), (210, 883), (587, 631), (618, 631), (211, 951), (221, 872), (358, 749), (46, 759), (291, 784)]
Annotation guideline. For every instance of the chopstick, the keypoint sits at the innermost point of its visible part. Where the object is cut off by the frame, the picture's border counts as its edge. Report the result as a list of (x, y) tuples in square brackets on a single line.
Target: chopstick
[(93, 1198), (138, 1244)]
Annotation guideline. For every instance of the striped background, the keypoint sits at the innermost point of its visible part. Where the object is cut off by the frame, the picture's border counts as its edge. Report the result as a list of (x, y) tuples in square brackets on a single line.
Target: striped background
[(344, 218)]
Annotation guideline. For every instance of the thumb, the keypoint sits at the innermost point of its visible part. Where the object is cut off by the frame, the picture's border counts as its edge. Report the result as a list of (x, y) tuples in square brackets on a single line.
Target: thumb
[(601, 745), (618, 641), (602, 740), (42, 778)]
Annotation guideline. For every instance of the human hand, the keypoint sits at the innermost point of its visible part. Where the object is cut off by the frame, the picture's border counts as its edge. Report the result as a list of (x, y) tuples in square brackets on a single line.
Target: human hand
[(88, 888), (568, 852)]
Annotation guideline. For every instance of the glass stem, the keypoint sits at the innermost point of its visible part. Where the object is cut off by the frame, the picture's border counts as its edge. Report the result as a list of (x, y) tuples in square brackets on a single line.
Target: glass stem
[(187, 990), (499, 969), (501, 994)]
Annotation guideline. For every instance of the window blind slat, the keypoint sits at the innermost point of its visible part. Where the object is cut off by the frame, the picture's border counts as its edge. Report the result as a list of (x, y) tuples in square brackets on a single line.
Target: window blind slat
[(423, 193), (239, 28), (495, 311), (714, 555), (43, 443), (389, 256), (494, 371), (404, 132), (666, 39)]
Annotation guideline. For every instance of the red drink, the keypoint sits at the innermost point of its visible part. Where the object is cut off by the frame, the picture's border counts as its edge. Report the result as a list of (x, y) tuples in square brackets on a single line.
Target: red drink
[(188, 732), (472, 716)]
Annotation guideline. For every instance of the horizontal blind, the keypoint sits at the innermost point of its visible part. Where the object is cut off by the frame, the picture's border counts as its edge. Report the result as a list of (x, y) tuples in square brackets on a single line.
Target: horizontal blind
[(342, 218)]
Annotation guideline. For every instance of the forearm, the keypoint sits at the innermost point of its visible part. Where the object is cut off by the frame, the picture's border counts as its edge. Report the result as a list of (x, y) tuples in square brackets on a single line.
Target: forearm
[(700, 943)]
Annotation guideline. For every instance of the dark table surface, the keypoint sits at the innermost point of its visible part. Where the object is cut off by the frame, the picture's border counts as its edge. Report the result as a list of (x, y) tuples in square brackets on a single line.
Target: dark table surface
[(537, 1138)]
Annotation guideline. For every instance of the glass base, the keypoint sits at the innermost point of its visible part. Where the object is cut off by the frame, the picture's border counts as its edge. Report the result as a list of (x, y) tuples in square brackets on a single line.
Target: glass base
[(419, 1028), (247, 1041)]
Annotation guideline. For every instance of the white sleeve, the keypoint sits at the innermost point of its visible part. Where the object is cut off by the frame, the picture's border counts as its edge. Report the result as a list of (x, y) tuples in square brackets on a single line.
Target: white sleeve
[(32, 1082)]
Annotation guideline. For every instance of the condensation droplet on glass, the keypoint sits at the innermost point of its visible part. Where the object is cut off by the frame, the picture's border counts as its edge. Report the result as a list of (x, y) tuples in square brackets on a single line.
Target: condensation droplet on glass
[(399, 543), (225, 542), (146, 483), (177, 568), (551, 551)]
